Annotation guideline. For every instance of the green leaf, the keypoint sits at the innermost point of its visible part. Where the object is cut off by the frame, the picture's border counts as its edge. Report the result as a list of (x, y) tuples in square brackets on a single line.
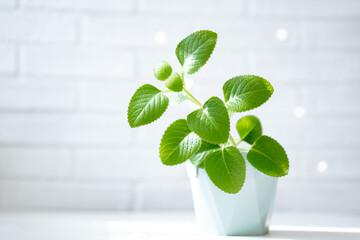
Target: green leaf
[(249, 129), (205, 149), (243, 93), (194, 51), (269, 157), (178, 143), (146, 105), (226, 169), (175, 83), (211, 122)]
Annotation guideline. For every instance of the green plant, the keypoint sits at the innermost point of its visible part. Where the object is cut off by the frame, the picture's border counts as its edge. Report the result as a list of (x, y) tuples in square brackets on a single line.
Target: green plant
[(204, 136)]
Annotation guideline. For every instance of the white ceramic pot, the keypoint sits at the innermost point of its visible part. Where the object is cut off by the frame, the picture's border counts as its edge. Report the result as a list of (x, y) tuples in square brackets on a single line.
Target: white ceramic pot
[(244, 213)]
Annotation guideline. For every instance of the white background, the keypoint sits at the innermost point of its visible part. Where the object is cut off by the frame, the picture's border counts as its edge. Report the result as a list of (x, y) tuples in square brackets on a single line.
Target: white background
[(69, 67)]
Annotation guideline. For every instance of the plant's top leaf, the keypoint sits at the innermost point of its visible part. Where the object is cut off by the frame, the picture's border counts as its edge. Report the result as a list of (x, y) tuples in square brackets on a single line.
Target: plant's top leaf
[(146, 105), (194, 51), (269, 157), (205, 149), (249, 128), (243, 93), (178, 143), (175, 82), (226, 169), (211, 122), (162, 70)]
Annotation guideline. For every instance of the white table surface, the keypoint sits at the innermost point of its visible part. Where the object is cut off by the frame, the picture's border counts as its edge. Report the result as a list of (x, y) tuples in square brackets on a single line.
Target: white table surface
[(163, 226)]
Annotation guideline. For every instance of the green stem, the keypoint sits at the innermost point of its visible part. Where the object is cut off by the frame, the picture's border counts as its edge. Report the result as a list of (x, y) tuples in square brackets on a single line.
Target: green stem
[(191, 97), (238, 142), (244, 149), (232, 140)]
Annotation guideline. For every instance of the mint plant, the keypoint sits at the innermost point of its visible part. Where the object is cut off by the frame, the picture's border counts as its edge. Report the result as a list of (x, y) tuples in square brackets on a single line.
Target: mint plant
[(204, 136)]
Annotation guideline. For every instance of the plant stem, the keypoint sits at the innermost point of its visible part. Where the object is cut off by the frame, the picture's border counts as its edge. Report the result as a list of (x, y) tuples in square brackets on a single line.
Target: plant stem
[(244, 149), (192, 98), (232, 140), (238, 141)]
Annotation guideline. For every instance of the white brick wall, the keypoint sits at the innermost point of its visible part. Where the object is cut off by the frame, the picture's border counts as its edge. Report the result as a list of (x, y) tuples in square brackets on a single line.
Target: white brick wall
[(88, 61), (312, 65), (36, 163), (7, 3), (100, 96), (193, 8), (36, 96), (334, 34), (87, 5), (37, 26), (65, 195), (306, 8), (69, 67), (115, 30), (123, 164), (8, 59)]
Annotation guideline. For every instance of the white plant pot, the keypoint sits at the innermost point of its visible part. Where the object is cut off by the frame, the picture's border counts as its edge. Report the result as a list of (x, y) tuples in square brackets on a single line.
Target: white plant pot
[(244, 213)]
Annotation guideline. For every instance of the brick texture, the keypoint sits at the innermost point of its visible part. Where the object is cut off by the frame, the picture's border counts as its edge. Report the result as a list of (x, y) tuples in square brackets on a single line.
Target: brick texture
[(8, 59), (306, 8), (87, 5), (190, 8), (7, 3), (38, 26), (85, 61)]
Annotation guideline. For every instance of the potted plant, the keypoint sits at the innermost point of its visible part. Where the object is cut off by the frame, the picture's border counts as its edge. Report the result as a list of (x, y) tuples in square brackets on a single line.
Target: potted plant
[(217, 167)]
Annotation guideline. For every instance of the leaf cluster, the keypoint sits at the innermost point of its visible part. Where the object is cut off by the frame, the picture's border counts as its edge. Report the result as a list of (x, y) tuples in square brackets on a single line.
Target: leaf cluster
[(203, 137)]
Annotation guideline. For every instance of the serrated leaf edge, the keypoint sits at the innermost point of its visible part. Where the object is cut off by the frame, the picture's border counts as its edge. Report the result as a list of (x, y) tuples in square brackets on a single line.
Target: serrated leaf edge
[(247, 133), (201, 109), (227, 169), (229, 174), (203, 30), (204, 152), (269, 157), (177, 146), (167, 106), (252, 91)]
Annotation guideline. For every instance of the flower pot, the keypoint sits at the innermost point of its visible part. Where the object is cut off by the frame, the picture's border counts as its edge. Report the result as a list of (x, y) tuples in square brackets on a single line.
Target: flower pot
[(244, 213)]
